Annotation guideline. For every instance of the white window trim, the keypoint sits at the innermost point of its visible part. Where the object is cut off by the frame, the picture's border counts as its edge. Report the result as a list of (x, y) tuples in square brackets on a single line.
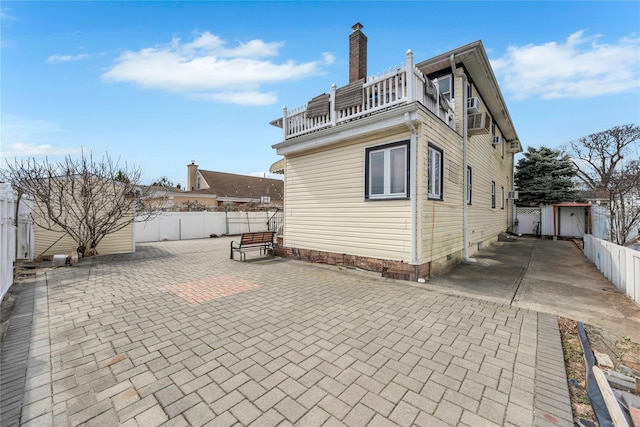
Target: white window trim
[(493, 194), (386, 149), (430, 194), (449, 94), (469, 178), (493, 133), (502, 198)]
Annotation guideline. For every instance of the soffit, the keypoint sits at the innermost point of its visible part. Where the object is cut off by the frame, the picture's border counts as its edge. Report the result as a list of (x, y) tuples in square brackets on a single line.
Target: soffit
[(475, 61)]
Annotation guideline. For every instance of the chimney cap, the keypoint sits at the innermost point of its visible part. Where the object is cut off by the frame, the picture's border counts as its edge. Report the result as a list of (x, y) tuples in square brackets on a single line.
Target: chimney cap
[(357, 26)]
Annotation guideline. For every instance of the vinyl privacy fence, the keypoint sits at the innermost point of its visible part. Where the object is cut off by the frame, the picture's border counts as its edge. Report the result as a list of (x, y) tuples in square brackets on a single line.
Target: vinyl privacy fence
[(8, 200), (619, 264), (199, 225)]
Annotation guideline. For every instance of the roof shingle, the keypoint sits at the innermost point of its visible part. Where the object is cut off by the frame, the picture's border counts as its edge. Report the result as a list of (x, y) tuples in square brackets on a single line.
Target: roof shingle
[(242, 186)]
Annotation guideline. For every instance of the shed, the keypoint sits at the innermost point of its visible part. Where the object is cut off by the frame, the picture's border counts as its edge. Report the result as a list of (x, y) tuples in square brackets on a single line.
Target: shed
[(566, 220)]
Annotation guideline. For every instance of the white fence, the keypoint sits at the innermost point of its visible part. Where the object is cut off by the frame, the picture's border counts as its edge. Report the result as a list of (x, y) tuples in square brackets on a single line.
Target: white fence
[(619, 264), (199, 225), (8, 201)]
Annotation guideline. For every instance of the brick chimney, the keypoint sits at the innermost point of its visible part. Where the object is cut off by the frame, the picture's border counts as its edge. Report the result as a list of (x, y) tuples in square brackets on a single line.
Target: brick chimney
[(357, 54)]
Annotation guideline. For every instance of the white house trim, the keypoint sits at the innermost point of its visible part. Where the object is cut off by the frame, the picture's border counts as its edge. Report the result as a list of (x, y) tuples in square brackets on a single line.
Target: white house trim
[(369, 125)]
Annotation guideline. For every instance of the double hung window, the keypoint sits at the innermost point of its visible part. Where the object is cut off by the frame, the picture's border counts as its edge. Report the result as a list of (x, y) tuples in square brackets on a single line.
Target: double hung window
[(493, 194), (493, 133), (445, 87), (434, 172), (469, 183)]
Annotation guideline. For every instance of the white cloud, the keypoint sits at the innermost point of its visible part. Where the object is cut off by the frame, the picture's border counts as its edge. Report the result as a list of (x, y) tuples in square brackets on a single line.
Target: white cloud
[(328, 58), (581, 67), (21, 149), (4, 14), (206, 68), (31, 138), (66, 58)]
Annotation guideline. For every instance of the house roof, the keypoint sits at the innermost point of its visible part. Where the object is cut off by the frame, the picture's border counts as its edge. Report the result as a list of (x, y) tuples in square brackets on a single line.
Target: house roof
[(475, 61), (241, 186)]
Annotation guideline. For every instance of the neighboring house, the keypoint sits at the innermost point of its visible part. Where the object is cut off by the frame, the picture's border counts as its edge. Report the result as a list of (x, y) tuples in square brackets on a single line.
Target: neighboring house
[(175, 199), (231, 189), (407, 172)]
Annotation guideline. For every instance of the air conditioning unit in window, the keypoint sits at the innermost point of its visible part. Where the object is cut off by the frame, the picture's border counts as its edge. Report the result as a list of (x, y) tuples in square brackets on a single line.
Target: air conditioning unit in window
[(512, 195), (478, 123), (513, 147), (473, 105), (497, 140)]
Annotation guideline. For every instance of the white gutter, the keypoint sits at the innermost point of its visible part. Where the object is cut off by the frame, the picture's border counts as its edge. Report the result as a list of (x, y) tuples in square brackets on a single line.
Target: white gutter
[(465, 220), (413, 193)]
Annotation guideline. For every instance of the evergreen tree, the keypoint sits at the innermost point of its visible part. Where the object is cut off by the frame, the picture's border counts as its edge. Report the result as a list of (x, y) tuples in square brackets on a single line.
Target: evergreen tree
[(163, 181), (545, 176)]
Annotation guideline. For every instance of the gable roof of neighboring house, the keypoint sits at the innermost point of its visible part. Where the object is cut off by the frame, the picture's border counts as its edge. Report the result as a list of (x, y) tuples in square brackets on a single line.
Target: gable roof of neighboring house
[(241, 186)]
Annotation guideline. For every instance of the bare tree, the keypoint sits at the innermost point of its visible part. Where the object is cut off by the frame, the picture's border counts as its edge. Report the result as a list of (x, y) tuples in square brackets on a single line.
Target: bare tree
[(607, 164), (84, 198)]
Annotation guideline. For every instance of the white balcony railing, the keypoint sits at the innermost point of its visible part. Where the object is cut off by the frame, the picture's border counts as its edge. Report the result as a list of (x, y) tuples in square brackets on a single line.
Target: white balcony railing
[(380, 92)]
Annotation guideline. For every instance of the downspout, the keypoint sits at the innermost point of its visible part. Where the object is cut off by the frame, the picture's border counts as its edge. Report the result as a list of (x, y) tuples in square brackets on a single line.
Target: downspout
[(465, 221), (413, 193)]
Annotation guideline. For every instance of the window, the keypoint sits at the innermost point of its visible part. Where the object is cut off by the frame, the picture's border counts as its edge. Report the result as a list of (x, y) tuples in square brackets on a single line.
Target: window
[(502, 147), (493, 133), (445, 86), (434, 173), (469, 182), (493, 194), (386, 171), (501, 197)]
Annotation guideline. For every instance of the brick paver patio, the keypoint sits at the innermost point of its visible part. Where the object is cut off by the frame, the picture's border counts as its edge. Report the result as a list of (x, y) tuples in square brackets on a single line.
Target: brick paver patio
[(178, 334)]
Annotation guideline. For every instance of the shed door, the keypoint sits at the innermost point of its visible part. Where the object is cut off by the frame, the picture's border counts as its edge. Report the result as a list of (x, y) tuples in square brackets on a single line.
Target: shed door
[(572, 221)]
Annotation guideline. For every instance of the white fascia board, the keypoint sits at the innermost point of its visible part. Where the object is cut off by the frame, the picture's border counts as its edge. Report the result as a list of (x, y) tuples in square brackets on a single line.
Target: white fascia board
[(357, 128)]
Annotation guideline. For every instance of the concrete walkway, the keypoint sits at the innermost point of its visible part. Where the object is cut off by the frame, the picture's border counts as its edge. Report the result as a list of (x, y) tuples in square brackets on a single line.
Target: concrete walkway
[(177, 334), (548, 276)]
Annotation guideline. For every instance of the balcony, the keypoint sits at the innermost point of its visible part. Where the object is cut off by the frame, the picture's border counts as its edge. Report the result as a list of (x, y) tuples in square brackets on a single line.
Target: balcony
[(384, 91)]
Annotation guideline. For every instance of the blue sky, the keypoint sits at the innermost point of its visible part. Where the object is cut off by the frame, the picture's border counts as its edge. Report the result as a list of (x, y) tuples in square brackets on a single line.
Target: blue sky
[(159, 84)]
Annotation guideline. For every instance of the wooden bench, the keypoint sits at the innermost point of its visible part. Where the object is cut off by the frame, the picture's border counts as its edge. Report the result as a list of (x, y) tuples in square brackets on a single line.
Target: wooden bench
[(261, 240)]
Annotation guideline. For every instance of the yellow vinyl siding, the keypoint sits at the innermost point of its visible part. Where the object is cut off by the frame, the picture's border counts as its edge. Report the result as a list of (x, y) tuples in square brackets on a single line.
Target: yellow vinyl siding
[(325, 208), (441, 220), (119, 242), (485, 222)]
